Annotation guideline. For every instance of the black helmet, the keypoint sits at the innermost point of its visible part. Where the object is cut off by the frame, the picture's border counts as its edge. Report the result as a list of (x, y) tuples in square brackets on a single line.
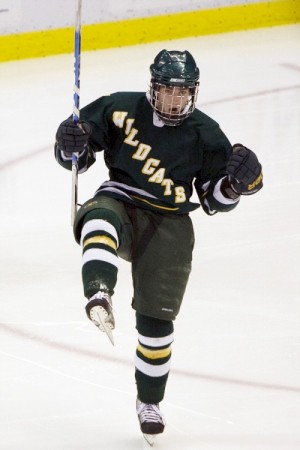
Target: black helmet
[(175, 68), (178, 73)]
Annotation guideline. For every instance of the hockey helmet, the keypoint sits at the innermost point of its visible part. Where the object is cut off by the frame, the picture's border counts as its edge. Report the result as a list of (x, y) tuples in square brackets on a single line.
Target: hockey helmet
[(174, 85)]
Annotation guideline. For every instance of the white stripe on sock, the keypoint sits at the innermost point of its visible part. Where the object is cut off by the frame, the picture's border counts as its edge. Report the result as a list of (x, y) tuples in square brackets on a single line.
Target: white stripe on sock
[(151, 370), (98, 254), (156, 342), (99, 225)]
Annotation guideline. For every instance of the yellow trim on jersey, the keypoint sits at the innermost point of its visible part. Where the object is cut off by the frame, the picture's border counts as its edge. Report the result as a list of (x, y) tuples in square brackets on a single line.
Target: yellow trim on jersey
[(151, 29), (101, 240), (153, 204), (154, 354)]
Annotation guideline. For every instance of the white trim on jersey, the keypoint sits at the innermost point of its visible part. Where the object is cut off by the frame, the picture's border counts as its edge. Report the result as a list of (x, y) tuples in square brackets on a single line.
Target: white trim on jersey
[(116, 184), (211, 211), (218, 195), (111, 189)]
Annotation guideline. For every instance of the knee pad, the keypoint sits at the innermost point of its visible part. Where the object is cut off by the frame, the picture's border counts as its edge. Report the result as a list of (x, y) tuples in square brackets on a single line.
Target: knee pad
[(105, 215)]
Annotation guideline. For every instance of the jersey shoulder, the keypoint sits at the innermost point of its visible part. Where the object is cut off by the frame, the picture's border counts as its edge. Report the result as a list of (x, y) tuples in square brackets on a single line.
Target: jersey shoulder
[(209, 131), (127, 98), (203, 119), (106, 105), (123, 101)]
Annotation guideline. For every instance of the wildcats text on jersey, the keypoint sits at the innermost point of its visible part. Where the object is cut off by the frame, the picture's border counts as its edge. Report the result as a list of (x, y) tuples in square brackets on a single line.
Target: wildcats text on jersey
[(150, 166)]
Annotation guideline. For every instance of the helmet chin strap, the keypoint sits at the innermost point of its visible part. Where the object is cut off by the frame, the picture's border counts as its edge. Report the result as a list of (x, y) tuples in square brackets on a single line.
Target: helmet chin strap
[(157, 120)]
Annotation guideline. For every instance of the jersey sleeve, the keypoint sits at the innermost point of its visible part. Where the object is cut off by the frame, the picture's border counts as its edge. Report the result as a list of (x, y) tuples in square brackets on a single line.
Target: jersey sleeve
[(212, 181)]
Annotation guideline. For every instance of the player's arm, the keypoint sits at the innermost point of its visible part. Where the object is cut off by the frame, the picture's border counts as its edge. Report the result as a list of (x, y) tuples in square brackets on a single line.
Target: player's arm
[(243, 176)]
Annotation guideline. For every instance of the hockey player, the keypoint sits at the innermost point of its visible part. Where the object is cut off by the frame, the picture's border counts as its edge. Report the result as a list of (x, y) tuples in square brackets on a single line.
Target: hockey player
[(157, 147)]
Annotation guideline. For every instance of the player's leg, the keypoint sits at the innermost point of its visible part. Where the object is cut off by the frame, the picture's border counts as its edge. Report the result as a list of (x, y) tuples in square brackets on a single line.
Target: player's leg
[(161, 266), (152, 365), (105, 230)]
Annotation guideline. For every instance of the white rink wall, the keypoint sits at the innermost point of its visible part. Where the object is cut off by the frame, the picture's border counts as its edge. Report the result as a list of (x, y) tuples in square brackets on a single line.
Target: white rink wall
[(19, 16)]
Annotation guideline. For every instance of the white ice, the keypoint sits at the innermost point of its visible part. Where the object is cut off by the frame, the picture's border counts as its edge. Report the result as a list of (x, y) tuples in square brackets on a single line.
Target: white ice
[(235, 378)]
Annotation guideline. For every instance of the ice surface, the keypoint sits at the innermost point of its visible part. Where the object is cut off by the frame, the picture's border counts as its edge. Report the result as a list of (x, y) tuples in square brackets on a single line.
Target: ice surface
[(235, 379)]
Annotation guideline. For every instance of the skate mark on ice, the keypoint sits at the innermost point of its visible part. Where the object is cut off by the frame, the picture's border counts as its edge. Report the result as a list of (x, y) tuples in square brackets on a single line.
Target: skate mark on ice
[(63, 374), (17, 331)]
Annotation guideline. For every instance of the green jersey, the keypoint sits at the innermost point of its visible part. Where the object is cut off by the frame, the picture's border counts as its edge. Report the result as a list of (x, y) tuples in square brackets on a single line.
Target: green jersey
[(153, 165)]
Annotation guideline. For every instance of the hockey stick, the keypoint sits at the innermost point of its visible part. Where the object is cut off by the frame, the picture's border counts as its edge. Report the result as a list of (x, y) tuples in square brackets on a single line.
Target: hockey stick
[(76, 97)]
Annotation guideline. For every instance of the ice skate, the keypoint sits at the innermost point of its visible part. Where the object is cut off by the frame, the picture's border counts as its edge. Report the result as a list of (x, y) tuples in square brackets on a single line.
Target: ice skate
[(151, 420), (99, 311)]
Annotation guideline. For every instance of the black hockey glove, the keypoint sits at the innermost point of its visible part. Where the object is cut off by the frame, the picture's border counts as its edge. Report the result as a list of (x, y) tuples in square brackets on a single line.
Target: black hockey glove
[(244, 171), (71, 137)]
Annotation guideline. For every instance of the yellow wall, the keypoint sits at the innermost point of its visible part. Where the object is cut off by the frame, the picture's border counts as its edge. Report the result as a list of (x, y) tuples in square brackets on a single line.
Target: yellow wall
[(150, 29)]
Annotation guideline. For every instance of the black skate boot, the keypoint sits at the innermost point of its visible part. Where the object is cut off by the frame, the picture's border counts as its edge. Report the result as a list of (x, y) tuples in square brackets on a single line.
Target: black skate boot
[(151, 420)]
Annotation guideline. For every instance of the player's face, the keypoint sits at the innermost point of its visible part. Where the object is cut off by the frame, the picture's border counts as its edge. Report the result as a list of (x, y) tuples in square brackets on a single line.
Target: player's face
[(172, 99)]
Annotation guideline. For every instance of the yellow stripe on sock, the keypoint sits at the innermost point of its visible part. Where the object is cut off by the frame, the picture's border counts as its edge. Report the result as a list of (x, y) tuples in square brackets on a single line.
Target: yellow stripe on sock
[(154, 354), (101, 240)]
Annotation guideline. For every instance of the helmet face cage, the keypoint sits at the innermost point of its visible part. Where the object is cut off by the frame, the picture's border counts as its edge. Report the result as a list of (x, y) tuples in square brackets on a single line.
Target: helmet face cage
[(174, 86), (172, 103)]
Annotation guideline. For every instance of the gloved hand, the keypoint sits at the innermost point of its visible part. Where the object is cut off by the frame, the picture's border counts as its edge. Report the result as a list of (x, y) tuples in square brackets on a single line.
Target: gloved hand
[(71, 137), (244, 171)]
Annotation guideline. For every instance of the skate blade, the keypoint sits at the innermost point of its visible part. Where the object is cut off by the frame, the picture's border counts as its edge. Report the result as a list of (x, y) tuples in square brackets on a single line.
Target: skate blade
[(150, 438), (101, 315)]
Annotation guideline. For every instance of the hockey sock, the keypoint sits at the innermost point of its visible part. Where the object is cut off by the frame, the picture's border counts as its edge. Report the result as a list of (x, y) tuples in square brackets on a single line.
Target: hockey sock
[(153, 357), (99, 240)]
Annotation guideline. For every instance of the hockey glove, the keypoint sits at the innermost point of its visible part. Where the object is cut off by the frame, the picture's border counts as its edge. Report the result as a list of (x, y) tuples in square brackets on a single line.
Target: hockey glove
[(244, 171), (71, 137)]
